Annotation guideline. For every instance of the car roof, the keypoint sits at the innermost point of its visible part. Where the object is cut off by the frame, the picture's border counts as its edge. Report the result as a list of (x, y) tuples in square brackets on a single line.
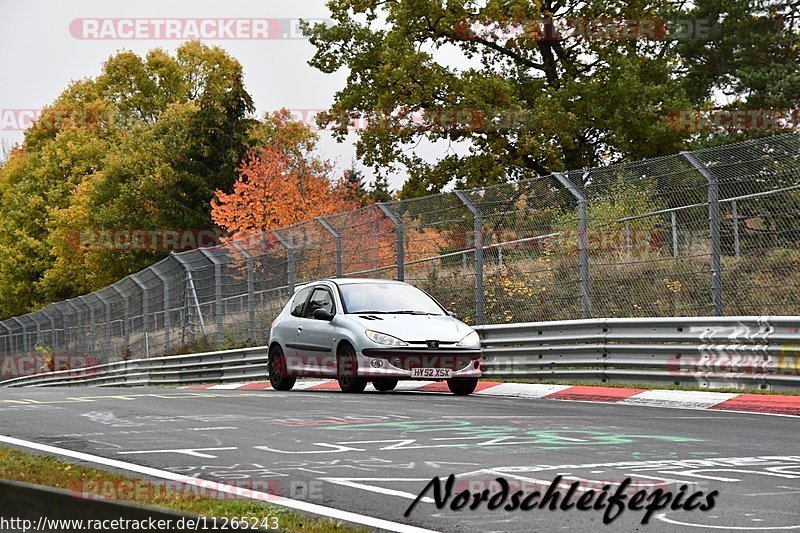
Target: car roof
[(348, 281)]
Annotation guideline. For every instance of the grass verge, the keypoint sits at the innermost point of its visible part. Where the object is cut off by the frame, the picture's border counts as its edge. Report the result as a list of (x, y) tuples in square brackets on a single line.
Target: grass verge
[(16, 465)]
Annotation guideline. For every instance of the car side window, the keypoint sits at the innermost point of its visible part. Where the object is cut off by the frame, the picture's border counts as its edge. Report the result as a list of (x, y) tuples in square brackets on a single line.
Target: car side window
[(299, 300), (320, 299)]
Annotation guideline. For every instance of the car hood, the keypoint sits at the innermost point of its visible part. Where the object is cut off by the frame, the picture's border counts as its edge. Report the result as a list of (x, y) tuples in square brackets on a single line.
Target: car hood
[(415, 328)]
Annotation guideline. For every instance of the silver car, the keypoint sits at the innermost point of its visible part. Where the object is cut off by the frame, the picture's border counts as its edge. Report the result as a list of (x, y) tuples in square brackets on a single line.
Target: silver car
[(371, 330)]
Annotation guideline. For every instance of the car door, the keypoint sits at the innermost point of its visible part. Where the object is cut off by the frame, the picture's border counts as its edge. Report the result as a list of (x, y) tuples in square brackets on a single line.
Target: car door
[(314, 338), (286, 329)]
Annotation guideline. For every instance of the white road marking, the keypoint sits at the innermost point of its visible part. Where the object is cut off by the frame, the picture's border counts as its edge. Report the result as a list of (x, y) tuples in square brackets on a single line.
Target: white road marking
[(352, 482), (290, 503), (664, 518), (194, 452)]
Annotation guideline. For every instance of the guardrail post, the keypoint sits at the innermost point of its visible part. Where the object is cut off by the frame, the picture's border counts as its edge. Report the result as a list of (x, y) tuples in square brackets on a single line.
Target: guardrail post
[(251, 291), (217, 293), (167, 317), (583, 242), (714, 229), (400, 231), (145, 312), (477, 218), (735, 214), (289, 260), (337, 237)]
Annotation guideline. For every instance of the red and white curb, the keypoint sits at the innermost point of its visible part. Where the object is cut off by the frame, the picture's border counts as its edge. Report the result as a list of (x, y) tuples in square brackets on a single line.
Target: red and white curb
[(723, 401)]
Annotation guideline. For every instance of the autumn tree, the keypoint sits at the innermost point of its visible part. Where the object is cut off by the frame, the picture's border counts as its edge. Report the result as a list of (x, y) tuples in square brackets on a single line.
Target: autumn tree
[(279, 187)]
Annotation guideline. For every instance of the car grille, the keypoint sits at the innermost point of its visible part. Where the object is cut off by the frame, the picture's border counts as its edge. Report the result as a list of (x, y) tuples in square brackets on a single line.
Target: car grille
[(407, 362)]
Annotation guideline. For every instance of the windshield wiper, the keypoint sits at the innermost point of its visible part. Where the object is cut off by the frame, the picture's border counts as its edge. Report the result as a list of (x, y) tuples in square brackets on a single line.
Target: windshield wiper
[(403, 312), (409, 312)]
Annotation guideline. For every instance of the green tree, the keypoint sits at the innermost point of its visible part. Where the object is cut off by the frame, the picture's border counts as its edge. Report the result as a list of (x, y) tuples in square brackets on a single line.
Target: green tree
[(529, 104), (142, 146), (379, 189)]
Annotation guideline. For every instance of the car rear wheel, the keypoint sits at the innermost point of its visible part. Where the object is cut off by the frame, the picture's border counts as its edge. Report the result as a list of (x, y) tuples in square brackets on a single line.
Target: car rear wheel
[(462, 387), (348, 370), (278, 372), (384, 384)]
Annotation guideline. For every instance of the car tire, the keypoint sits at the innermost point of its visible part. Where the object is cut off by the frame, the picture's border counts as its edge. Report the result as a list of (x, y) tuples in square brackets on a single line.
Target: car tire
[(384, 385), (347, 370), (463, 386), (278, 372)]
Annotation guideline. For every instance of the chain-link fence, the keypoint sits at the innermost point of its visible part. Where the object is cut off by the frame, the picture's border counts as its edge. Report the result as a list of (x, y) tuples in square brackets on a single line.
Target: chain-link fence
[(709, 232)]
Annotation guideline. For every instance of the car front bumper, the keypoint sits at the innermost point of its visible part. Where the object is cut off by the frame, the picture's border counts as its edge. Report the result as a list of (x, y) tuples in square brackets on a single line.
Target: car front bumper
[(399, 362)]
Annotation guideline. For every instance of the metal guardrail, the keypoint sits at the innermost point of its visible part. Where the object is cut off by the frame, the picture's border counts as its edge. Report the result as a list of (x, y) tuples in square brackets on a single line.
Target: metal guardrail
[(229, 365), (752, 352)]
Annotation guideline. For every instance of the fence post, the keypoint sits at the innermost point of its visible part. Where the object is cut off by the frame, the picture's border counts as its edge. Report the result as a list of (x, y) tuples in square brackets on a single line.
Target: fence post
[(583, 242), (251, 291), (477, 218), (337, 237), (35, 318), (714, 229), (167, 318), (79, 337), (217, 293), (191, 293), (22, 334), (109, 326), (92, 325), (289, 260), (400, 231), (53, 335), (126, 324), (735, 213), (58, 345), (627, 237), (6, 339), (145, 311), (673, 217)]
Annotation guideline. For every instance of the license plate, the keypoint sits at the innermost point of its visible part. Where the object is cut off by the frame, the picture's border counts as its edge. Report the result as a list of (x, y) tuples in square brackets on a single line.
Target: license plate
[(429, 373)]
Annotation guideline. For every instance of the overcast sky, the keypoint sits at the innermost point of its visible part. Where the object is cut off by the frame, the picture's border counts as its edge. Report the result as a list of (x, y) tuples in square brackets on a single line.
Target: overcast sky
[(41, 54)]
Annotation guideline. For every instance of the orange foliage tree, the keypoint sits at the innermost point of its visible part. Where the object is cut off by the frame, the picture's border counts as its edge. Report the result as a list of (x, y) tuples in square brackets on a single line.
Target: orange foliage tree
[(276, 188)]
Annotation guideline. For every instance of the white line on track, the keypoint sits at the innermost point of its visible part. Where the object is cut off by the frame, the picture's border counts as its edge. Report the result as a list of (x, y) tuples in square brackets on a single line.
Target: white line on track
[(320, 510)]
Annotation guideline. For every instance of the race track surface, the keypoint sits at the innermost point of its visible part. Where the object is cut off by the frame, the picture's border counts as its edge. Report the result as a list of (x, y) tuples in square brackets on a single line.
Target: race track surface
[(373, 453)]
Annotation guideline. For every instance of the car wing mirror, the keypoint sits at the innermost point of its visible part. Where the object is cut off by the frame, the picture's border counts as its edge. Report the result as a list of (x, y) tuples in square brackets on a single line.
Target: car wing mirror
[(323, 314)]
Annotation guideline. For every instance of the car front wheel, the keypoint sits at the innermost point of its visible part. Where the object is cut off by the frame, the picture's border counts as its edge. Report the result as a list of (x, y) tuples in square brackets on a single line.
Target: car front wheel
[(348, 370), (463, 386), (278, 372)]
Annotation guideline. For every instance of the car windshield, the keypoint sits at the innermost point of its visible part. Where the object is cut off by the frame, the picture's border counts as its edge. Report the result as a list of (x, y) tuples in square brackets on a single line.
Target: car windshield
[(387, 298)]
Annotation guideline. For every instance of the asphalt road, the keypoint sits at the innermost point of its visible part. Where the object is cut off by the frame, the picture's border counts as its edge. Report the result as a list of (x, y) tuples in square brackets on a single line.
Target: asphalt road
[(373, 453)]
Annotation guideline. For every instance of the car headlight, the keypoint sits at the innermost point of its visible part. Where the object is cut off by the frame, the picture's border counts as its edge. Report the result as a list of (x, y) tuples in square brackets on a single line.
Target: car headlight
[(383, 338), (470, 340)]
